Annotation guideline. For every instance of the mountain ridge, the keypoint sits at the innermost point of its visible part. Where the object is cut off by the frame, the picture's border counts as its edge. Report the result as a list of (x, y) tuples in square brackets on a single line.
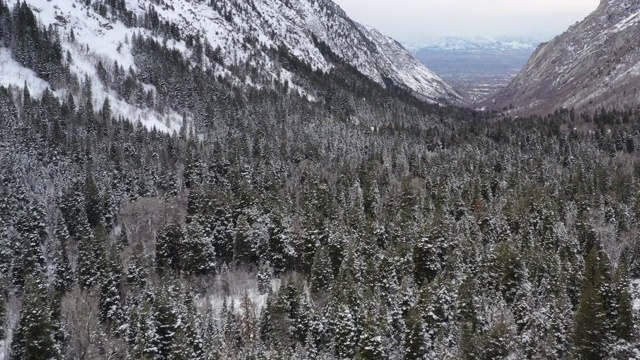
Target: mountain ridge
[(592, 64), (237, 35)]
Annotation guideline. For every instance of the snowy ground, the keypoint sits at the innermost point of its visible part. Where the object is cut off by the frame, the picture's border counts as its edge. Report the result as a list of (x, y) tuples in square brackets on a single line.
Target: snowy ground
[(233, 287), (635, 294), (14, 74), (96, 39)]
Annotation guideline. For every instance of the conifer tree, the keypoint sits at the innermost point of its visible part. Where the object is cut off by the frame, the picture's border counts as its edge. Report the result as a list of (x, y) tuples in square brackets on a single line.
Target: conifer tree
[(345, 332), (166, 318), (242, 243), (34, 337), (371, 345), (31, 234), (64, 278), (3, 310), (231, 330), (142, 334), (90, 255), (264, 275), (497, 342), (197, 256), (415, 347), (93, 202), (592, 329), (168, 247), (321, 271), (624, 312), (589, 330), (110, 301)]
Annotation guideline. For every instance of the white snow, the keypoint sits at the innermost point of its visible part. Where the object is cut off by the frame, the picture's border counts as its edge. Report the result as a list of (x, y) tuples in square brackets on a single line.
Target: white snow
[(96, 39), (469, 44), (405, 69), (271, 22), (233, 287), (635, 293), (629, 21), (14, 74)]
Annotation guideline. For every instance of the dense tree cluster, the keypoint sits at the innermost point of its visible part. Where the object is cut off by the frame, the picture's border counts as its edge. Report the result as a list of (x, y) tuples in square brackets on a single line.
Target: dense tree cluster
[(415, 232)]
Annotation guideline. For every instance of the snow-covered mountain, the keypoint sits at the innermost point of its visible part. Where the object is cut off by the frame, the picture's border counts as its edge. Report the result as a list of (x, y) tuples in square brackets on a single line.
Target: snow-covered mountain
[(240, 35), (595, 63)]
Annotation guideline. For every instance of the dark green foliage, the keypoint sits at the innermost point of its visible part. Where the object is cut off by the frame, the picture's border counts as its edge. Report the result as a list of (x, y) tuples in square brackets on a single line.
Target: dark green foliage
[(345, 332), (166, 320), (242, 242), (265, 272), (38, 49), (110, 299), (497, 342), (3, 312), (180, 249), (589, 336), (196, 252), (415, 347), (321, 271), (34, 336), (90, 255), (64, 277), (30, 237), (142, 333), (168, 247), (372, 345), (595, 316), (624, 323), (93, 202)]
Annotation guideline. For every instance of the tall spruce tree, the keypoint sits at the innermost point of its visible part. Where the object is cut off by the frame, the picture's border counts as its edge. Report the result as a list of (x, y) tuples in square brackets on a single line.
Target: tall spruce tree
[(34, 338)]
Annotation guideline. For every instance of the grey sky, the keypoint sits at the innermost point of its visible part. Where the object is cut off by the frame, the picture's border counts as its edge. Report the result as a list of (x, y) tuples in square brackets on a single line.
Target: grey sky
[(413, 20)]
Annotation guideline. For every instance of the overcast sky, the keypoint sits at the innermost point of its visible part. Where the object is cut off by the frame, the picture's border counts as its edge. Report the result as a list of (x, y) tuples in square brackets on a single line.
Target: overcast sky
[(414, 20)]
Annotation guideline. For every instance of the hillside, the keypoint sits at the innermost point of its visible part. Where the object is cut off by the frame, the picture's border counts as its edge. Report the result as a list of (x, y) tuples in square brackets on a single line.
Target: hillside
[(249, 44), (595, 63)]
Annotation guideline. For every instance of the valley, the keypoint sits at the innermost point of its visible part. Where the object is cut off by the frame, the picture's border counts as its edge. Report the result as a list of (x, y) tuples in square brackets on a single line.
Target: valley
[(477, 67)]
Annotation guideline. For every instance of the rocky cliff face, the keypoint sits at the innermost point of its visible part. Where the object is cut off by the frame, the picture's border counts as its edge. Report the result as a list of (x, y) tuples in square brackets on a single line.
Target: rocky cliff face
[(595, 63)]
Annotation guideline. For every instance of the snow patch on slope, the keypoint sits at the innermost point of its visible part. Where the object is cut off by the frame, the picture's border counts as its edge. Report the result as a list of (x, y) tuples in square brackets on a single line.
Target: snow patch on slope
[(631, 20), (86, 51), (635, 294), (15, 75), (244, 35), (591, 65)]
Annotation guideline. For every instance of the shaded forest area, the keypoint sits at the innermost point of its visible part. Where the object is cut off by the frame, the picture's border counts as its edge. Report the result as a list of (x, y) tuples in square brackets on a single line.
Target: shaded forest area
[(273, 227)]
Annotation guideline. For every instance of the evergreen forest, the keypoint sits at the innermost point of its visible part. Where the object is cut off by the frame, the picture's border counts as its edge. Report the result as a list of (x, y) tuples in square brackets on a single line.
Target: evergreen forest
[(364, 225)]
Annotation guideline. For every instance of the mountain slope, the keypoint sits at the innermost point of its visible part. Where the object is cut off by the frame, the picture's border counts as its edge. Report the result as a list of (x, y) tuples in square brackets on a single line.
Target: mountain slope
[(596, 62), (238, 41)]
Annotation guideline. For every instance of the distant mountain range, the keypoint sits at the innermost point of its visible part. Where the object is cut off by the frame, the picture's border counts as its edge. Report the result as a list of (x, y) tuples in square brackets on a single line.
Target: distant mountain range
[(470, 44), (478, 66)]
